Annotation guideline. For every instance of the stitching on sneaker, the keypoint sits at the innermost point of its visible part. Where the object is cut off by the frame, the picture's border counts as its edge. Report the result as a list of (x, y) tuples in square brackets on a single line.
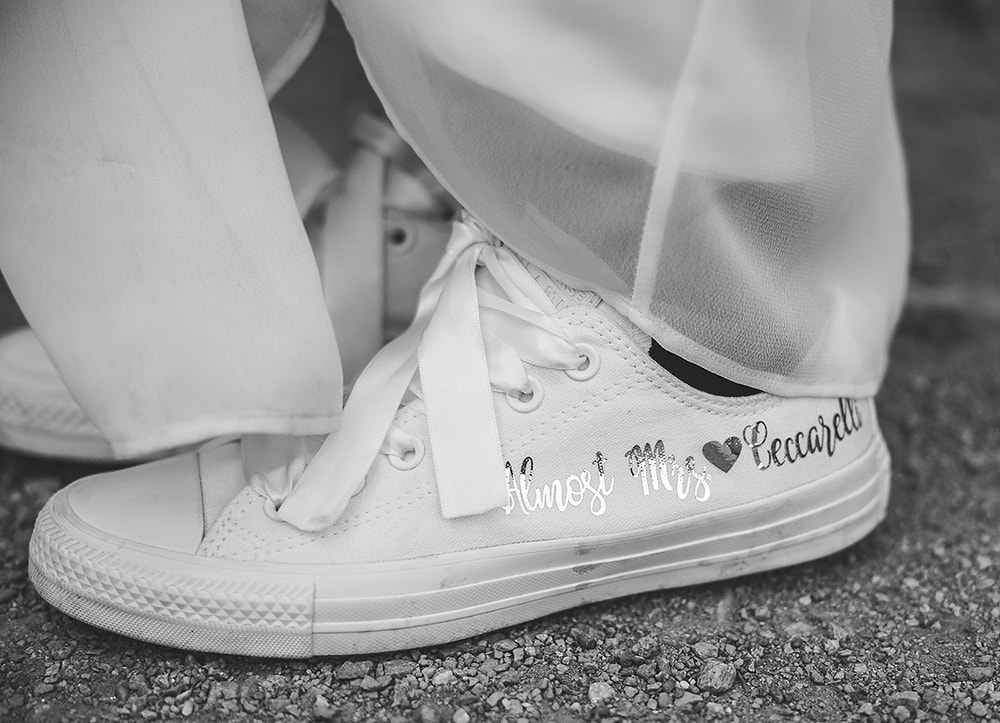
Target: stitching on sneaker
[(368, 516), (227, 523)]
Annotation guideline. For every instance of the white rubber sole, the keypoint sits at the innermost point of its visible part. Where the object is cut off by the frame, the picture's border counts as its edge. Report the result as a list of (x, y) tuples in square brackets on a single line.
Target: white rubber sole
[(286, 610), (38, 415)]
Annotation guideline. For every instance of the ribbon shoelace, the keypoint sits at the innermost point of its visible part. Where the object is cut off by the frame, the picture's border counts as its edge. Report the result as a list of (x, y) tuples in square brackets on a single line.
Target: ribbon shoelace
[(481, 317)]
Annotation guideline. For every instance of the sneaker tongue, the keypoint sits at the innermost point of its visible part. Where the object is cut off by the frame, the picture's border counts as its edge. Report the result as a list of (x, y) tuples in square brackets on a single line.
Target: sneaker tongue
[(561, 295)]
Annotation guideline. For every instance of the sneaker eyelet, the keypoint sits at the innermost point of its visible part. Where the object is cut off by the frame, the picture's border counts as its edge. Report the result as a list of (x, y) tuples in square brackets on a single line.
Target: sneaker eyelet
[(409, 459), (400, 234), (590, 365), (527, 401)]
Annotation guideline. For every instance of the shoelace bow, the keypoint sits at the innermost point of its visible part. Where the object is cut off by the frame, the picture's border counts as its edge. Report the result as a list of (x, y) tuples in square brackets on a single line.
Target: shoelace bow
[(480, 318)]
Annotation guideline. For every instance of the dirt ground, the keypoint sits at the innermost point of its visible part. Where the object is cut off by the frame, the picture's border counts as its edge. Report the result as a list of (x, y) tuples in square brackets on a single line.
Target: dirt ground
[(905, 625)]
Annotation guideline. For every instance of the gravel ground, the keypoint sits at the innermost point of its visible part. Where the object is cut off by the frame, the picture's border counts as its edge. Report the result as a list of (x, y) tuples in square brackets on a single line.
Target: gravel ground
[(903, 626)]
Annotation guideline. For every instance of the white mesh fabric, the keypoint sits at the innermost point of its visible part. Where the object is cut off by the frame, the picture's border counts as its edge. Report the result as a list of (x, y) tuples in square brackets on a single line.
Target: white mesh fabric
[(726, 174)]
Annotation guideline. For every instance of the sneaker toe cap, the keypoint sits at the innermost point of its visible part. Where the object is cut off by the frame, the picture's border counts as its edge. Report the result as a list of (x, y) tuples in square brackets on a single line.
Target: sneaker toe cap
[(157, 504)]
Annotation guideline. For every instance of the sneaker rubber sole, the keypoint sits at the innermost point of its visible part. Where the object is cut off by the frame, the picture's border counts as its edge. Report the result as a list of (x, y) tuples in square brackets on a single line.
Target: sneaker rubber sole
[(296, 611)]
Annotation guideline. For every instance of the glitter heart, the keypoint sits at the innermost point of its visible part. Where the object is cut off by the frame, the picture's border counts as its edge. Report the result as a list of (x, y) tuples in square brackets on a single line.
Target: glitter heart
[(723, 455)]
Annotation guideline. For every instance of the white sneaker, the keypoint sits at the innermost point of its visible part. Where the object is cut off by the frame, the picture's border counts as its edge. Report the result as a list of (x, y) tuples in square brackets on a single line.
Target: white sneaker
[(410, 225), (540, 460)]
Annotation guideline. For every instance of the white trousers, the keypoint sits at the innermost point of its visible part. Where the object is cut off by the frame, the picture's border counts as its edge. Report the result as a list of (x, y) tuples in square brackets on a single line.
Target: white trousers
[(727, 174)]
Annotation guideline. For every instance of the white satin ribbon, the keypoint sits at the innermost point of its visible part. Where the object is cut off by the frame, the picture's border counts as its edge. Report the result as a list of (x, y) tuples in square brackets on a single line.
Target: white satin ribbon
[(480, 318)]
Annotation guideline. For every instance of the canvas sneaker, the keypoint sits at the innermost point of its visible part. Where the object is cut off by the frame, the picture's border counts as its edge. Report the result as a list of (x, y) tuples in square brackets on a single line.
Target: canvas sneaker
[(384, 216), (514, 453)]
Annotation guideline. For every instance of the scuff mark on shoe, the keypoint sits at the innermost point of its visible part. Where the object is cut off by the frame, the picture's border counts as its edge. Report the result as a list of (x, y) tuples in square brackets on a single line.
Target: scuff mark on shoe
[(449, 582)]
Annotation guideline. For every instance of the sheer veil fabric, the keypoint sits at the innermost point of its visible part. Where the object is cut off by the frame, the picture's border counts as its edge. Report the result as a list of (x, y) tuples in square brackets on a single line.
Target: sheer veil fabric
[(727, 174)]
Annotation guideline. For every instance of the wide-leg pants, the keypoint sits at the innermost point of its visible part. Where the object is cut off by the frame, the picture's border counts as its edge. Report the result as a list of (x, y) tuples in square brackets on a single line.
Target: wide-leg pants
[(727, 174)]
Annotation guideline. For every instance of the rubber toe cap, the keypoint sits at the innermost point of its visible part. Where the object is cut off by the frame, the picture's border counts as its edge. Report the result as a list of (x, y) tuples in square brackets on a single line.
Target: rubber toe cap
[(157, 504)]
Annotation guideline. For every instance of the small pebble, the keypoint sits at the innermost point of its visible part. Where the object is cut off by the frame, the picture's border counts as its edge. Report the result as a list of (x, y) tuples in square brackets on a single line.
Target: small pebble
[(979, 709), (370, 684), (322, 710), (444, 677), (936, 701), (798, 630), (908, 698), (354, 669), (687, 699), (600, 692), (646, 671), (584, 637), (979, 673), (716, 676), (429, 714), (646, 647), (398, 667), (706, 650)]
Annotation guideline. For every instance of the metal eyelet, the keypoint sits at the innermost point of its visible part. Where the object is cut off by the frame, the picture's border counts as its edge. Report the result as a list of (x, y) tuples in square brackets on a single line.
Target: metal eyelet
[(527, 401), (410, 458), (591, 364), (400, 234)]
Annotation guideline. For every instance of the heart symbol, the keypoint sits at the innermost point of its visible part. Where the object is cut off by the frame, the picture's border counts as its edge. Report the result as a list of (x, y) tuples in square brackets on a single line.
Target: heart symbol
[(722, 455)]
